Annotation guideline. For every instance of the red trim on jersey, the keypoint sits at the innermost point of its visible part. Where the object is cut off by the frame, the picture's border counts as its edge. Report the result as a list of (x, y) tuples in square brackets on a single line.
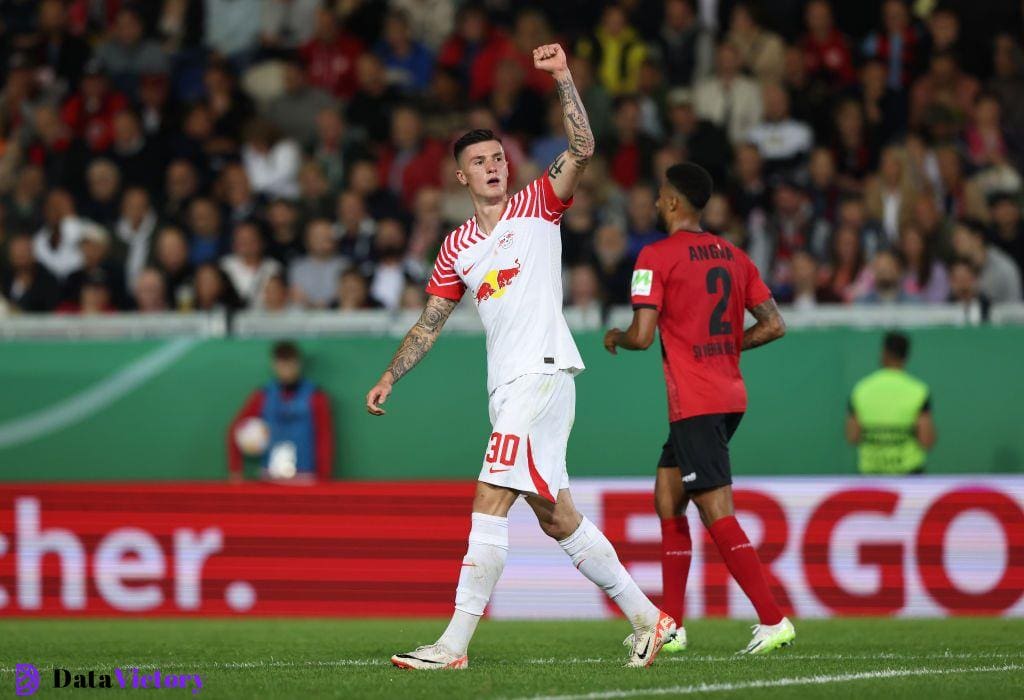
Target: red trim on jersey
[(538, 482)]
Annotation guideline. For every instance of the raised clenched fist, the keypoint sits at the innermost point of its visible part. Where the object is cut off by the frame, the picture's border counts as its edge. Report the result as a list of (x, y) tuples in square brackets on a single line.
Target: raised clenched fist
[(549, 57)]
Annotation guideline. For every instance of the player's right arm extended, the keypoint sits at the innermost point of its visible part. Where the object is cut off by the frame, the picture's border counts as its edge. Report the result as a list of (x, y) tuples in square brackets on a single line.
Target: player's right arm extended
[(415, 345), (769, 326)]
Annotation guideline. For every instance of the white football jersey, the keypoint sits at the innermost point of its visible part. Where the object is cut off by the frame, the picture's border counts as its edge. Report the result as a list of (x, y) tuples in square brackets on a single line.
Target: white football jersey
[(515, 275)]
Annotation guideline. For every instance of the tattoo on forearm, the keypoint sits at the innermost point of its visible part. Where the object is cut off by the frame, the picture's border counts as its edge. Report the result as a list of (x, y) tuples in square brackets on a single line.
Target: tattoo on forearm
[(769, 326), (421, 337), (577, 124)]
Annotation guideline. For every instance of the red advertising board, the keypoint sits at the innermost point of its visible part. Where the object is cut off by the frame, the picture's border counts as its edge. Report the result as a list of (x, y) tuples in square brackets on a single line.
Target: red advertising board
[(833, 546)]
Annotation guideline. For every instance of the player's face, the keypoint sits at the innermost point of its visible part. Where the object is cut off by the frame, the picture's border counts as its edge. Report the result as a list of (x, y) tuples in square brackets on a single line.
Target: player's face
[(288, 371), (483, 169)]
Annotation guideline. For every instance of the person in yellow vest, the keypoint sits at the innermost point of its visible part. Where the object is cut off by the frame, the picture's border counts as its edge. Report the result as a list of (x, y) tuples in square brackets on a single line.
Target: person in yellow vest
[(890, 415)]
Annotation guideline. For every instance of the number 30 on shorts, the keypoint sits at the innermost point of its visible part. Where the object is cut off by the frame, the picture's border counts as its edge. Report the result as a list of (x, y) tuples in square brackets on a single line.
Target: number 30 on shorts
[(503, 449)]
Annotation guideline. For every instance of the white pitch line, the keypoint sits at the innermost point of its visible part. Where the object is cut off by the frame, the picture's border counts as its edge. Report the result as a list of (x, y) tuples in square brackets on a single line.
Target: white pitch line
[(777, 683), (8, 666)]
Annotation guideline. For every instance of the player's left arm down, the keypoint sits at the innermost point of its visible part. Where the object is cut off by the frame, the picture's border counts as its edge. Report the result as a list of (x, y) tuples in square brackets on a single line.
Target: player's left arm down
[(638, 336)]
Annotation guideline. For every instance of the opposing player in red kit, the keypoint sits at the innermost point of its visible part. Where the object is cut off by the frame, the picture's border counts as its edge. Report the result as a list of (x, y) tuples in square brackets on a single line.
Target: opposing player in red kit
[(694, 287)]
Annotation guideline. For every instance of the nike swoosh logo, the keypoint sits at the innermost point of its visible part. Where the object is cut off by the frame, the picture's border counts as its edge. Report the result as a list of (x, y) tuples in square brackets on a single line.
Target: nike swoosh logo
[(497, 471), (643, 655), (466, 270)]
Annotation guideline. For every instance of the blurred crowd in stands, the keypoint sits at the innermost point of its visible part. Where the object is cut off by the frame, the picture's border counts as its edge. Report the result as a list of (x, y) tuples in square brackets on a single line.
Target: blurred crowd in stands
[(295, 154)]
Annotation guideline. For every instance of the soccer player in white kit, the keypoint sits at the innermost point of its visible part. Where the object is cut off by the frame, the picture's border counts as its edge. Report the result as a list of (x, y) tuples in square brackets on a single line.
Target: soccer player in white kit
[(509, 255)]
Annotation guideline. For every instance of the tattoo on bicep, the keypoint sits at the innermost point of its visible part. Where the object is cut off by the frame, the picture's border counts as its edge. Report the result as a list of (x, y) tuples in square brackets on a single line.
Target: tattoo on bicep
[(556, 167), (421, 336), (766, 310)]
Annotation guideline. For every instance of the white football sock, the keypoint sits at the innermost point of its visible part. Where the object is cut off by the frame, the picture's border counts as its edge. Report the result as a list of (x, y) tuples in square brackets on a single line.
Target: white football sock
[(481, 569), (594, 556)]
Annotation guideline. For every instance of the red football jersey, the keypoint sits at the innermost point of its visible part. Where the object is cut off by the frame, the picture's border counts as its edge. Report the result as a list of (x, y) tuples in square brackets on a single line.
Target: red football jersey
[(700, 284)]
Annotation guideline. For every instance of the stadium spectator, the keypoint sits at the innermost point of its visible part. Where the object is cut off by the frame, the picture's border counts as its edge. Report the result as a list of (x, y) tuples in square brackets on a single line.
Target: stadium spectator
[(984, 135), (584, 289), (392, 268), (846, 264), (943, 86), (271, 163), (959, 197), (21, 209), (686, 48), (890, 194), (355, 229), (296, 110), (97, 263), (139, 161), (206, 237), (89, 112), (55, 149), (885, 108), (94, 298), (285, 227), (332, 148), (822, 189), (56, 50), (925, 277), (999, 278), (413, 298), (411, 162), (1007, 81), (288, 24), (236, 188), (761, 51), (826, 52), (1007, 227), (613, 264), (720, 220), (127, 54), (353, 292), (102, 201), (641, 218), (233, 28), (629, 151), (805, 291), (135, 230), (330, 56), (964, 292), (370, 107), (171, 259), (897, 42), (854, 150), (56, 244), (616, 50), (379, 202), (729, 99), (27, 285), (784, 142), (408, 62), (150, 292), (702, 141), (885, 281), (518, 109), (181, 186), (788, 229), (275, 295), (214, 290), (247, 267), (314, 278), (297, 415), (890, 415)]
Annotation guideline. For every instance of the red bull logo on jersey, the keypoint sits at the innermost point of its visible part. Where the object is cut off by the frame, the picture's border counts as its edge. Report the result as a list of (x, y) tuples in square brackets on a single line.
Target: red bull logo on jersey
[(495, 283)]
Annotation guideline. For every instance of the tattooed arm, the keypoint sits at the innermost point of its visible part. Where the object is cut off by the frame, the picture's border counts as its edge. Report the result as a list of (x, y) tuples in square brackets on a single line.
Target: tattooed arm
[(568, 167), (415, 345), (769, 326)]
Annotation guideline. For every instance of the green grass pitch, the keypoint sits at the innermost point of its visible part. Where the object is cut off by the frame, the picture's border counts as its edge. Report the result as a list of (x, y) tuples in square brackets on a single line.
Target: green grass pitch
[(835, 659)]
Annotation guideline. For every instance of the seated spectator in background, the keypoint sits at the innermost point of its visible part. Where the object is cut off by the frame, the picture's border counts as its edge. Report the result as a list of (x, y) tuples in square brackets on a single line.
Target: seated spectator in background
[(136, 158), (761, 51), (232, 29), (181, 185), (729, 99), (171, 258), (295, 111), (89, 112), (158, 111), (584, 289), (247, 267), (354, 293), (1007, 228), (331, 55), (518, 109), (885, 108), (332, 149), (937, 229), (886, 281), (206, 238), (984, 136), (21, 208), (854, 214), (825, 49), (355, 230), (26, 284), (58, 50), (847, 262), (297, 418), (103, 186), (409, 162), (95, 243), (56, 150), (960, 197), (409, 63), (703, 142), (944, 85), (378, 202), (720, 220), (748, 190), (788, 229), (392, 268), (642, 218), (613, 264), (314, 192), (854, 151), (370, 107), (964, 291), (271, 161), (890, 415), (925, 277), (999, 278), (314, 278), (285, 227), (616, 50), (413, 298), (236, 193), (95, 296), (890, 194), (686, 47), (629, 151), (56, 244), (276, 295), (214, 290), (784, 142), (1007, 81), (135, 230), (822, 190), (229, 107), (428, 229), (150, 292), (898, 42), (128, 54), (288, 24), (579, 224), (805, 291)]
